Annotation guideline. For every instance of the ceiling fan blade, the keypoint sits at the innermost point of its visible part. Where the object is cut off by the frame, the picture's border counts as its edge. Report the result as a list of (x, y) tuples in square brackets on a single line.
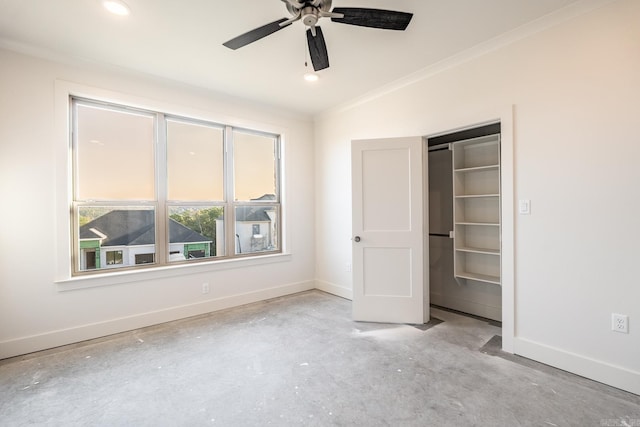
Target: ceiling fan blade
[(373, 18), (318, 49), (255, 34)]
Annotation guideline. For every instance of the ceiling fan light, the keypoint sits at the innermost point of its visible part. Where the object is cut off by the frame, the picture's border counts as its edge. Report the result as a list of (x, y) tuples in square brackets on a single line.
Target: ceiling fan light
[(116, 7), (311, 77)]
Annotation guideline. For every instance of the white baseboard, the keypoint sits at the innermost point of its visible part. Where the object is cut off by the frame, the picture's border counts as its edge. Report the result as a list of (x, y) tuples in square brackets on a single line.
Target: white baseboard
[(334, 289), (615, 376), (62, 337)]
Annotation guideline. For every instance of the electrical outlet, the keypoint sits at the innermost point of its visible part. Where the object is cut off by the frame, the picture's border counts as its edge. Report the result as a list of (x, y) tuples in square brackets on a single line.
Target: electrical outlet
[(620, 323), (205, 288), (348, 267)]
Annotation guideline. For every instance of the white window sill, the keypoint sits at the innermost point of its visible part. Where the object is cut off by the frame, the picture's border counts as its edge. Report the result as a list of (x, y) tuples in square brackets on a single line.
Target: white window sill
[(132, 276)]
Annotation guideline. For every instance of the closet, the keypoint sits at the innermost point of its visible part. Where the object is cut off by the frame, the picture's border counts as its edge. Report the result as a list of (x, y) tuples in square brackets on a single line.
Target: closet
[(464, 221)]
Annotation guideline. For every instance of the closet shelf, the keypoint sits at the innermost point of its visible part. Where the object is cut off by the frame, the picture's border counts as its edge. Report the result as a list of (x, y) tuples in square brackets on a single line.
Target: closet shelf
[(477, 169), (476, 209), (485, 251), (479, 277), (476, 196)]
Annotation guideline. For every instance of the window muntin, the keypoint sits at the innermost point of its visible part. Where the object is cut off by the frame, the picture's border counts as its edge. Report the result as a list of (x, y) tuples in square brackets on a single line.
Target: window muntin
[(187, 179)]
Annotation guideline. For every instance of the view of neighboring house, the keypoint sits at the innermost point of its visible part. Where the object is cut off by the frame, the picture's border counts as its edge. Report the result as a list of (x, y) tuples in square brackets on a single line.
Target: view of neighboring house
[(255, 228), (126, 237)]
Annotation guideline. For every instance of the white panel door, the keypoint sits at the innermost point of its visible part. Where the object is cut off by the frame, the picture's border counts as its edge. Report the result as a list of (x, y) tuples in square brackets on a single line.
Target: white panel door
[(388, 245)]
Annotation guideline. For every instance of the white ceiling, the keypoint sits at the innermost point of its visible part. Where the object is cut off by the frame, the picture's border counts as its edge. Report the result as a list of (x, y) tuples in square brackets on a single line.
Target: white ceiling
[(182, 41)]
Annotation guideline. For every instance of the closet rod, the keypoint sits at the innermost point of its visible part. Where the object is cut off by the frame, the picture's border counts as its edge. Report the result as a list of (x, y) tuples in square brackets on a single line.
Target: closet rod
[(439, 235)]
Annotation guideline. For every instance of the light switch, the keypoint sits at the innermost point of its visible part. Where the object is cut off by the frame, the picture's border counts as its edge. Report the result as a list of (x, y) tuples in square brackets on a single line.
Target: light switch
[(524, 207)]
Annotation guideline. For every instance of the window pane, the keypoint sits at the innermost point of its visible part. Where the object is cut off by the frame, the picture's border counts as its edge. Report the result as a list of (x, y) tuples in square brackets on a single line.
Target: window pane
[(114, 257), (114, 237), (254, 166), (195, 162), (195, 232), (256, 229), (114, 155)]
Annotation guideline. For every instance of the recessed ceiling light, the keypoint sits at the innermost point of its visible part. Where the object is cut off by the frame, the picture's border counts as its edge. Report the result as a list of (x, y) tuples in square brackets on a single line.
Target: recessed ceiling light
[(116, 7), (311, 77)]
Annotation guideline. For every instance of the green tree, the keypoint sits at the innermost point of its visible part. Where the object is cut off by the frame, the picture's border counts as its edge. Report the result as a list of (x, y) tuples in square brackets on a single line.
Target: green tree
[(200, 220), (89, 213)]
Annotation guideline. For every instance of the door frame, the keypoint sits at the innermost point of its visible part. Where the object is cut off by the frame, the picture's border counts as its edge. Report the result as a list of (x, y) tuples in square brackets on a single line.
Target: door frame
[(504, 116)]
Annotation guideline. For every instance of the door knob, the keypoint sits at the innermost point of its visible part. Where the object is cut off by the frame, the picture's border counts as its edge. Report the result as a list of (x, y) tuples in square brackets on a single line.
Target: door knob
[(357, 239)]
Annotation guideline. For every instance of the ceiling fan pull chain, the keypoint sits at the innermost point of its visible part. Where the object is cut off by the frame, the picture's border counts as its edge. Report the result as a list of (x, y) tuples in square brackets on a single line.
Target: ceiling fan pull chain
[(306, 54)]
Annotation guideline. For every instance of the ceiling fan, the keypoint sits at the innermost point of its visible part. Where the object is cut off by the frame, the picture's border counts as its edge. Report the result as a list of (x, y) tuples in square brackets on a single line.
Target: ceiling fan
[(310, 12)]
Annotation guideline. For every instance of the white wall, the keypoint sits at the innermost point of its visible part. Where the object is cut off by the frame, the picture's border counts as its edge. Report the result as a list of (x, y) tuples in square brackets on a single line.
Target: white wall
[(576, 96), (36, 312)]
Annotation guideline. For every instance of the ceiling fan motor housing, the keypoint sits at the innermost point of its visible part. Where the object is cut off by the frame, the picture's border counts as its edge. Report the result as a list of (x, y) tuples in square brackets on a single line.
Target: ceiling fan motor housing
[(310, 16), (309, 11)]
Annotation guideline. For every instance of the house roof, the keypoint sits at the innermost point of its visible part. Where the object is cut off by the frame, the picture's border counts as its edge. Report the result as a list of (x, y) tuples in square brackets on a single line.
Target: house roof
[(266, 197), (253, 213), (134, 227)]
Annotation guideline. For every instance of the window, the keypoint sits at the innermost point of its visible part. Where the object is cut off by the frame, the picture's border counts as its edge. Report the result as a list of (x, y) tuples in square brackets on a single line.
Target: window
[(114, 257), (154, 189), (145, 258), (255, 192)]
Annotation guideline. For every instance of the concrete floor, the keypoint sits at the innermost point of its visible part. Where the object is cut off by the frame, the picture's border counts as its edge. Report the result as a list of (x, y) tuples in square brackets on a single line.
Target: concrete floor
[(300, 360)]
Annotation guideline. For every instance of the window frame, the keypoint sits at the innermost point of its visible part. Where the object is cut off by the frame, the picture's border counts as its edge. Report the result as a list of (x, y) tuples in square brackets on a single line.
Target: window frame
[(161, 205)]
